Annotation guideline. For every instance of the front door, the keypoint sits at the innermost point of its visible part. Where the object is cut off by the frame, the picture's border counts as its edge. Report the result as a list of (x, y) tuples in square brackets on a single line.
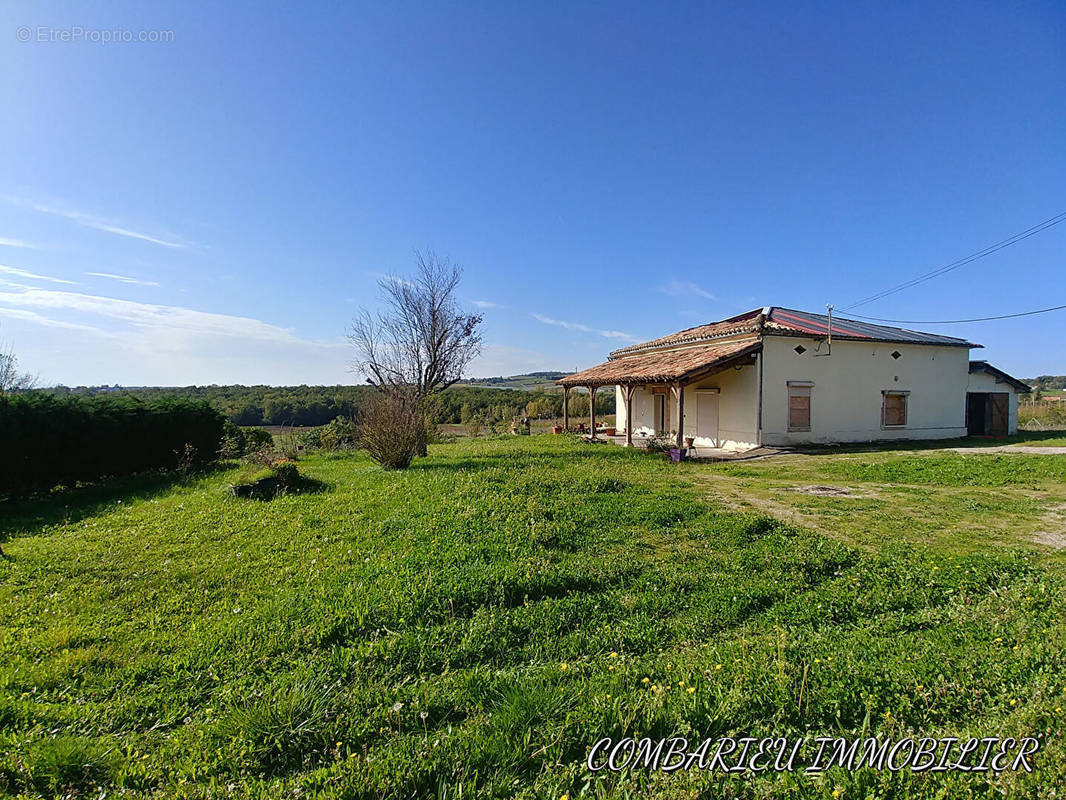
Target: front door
[(659, 404), (707, 416)]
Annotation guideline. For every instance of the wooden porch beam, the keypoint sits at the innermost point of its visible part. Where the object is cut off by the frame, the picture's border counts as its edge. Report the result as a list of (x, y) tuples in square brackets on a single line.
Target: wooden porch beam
[(743, 361), (566, 409), (627, 392), (592, 411), (679, 392)]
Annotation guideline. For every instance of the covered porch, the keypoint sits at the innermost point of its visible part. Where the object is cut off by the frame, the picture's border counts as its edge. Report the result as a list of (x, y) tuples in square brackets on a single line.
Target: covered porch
[(684, 393)]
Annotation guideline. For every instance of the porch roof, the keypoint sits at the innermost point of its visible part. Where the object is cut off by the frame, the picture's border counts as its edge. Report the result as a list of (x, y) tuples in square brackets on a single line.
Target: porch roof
[(665, 365)]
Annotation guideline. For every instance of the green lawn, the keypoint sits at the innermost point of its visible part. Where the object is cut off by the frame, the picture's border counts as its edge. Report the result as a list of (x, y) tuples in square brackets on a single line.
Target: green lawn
[(469, 627)]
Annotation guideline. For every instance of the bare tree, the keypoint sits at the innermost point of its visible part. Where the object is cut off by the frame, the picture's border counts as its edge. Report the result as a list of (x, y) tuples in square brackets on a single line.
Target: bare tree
[(11, 380), (420, 341)]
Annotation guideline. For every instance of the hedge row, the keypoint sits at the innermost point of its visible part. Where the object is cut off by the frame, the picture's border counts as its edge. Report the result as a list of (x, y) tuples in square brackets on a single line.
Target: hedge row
[(48, 441)]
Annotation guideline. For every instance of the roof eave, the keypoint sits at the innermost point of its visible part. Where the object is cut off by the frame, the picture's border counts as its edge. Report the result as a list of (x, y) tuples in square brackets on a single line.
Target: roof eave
[(802, 335)]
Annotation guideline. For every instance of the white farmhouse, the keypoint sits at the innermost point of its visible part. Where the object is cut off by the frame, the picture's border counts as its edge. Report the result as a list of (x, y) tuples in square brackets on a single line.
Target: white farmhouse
[(774, 377)]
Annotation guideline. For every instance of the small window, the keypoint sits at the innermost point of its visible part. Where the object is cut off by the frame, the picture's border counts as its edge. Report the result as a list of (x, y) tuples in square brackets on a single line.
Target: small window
[(894, 409), (799, 408)]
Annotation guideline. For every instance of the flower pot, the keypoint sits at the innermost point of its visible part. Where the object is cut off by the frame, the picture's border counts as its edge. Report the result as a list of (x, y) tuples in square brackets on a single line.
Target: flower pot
[(688, 441), (557, 429), (608, 431), (677, 454)]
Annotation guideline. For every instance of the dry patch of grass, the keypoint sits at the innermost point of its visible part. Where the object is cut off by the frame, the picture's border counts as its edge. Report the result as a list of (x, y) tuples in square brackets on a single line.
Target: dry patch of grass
[(932, 499)]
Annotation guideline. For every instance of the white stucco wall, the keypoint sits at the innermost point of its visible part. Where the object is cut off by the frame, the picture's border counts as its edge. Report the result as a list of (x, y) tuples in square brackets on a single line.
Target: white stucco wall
[(738, 405), (983, 382), (847, 389)]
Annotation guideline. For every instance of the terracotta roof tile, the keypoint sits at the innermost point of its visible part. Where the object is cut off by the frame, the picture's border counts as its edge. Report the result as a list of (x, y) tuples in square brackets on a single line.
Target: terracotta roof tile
[(658, 366)]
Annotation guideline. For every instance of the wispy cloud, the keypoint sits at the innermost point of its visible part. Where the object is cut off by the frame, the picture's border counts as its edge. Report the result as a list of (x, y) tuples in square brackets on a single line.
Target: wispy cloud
[(577, 326), (122, 278), (96, 223), (16, 243), (173, 324), (485, 304), (677, 288), (40, 319), (33, 276)]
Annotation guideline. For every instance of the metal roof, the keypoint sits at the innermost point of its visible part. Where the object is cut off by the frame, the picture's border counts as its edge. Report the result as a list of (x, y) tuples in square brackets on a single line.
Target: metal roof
[(806, 322), (776, 320)]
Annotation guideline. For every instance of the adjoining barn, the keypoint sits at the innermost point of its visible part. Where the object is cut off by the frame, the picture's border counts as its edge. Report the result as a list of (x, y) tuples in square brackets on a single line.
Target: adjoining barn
[(992, 401), (774, 376)]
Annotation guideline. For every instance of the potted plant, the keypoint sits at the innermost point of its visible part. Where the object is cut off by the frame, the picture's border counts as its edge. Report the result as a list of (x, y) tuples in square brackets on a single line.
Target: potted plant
[(677, 454), (608, 431), (688, 442)]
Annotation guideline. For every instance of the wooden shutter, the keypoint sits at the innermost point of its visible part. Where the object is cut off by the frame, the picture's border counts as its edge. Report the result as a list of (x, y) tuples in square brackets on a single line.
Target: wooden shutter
[(894, 409), (799, 408)]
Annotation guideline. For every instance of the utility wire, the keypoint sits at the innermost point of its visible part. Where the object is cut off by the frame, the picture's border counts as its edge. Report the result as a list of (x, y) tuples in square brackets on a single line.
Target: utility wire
[(954, 321), (1043, 226)]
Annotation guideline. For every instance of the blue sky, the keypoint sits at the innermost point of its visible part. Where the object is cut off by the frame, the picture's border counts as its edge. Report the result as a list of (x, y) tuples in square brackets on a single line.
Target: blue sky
[(213, 208)]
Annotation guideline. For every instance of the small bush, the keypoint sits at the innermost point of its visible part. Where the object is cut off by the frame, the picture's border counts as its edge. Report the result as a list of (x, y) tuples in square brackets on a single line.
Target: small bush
[(390, 429), (339, 434), (267, 475), (660, 445), (286, 472)]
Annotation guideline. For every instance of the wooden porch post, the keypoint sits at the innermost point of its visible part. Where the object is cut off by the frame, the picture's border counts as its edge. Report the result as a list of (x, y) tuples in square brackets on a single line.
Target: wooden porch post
[(592, 410), (628, 391), (566, 409), (679, 390)]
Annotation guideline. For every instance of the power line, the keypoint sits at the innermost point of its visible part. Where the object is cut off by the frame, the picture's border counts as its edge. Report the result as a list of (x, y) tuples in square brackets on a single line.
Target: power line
[(1043, 226), (954, 321)]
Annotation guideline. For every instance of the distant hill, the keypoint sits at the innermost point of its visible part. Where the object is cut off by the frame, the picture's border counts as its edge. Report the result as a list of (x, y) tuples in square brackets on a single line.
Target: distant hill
[(1047, 383), (529, 382)]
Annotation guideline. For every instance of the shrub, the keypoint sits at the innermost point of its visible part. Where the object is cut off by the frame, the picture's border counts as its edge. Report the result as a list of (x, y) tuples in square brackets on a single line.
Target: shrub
[(287, 473), (390, 428), (660, 444), (50, 441), (339, 434)]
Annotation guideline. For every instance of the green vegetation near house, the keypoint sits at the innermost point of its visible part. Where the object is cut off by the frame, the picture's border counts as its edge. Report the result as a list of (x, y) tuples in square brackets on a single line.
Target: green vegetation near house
[(470, 626), (528, 382), (491, 400)]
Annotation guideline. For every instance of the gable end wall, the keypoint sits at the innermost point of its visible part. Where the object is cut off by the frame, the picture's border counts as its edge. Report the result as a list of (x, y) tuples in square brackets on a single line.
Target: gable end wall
[(848, 386)]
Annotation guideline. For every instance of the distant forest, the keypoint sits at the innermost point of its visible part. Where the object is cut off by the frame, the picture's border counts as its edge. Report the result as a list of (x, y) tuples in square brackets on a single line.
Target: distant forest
[(318, 405), (1047, 383)]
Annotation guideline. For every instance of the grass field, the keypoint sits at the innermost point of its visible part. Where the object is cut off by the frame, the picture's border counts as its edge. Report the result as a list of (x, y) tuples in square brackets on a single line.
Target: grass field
[(469, 627)]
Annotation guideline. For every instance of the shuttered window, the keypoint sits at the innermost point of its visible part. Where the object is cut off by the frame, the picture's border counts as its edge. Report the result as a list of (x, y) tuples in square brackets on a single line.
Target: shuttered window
[(799, 407), (894, 409)]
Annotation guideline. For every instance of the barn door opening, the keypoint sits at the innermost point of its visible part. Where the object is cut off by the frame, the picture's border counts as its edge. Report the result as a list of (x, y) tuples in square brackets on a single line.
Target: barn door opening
[(975, 413), (987, 413)]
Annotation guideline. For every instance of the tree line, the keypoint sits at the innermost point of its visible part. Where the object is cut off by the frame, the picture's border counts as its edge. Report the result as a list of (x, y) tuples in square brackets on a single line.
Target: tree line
[(311, 406)]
